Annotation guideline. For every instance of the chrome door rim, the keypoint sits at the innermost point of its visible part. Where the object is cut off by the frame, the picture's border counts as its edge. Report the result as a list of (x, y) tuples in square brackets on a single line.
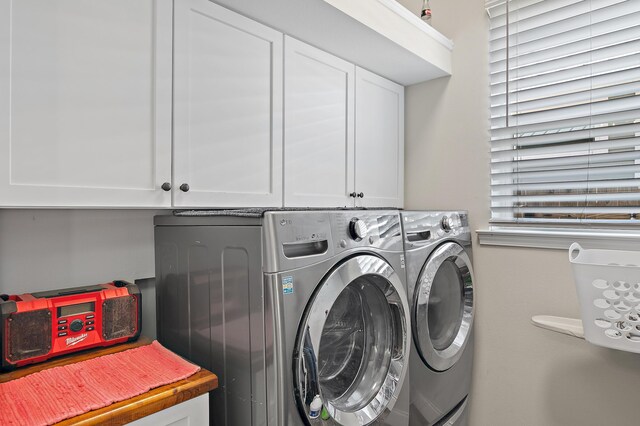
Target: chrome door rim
[(317, 310), (444, 359)]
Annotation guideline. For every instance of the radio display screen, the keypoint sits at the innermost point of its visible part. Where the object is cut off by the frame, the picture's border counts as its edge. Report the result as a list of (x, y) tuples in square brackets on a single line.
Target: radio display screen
[(64, 311)]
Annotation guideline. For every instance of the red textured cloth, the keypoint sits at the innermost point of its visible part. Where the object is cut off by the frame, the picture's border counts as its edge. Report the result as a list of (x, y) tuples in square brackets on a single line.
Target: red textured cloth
[(58, 393)]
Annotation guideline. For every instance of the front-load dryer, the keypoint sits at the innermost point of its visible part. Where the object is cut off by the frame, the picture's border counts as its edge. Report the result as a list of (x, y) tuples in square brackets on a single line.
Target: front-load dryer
[(303, 315), (440, 287)]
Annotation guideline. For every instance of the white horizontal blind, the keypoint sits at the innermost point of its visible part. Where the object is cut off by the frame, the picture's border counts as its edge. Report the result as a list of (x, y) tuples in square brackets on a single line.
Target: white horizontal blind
[(565, 111)]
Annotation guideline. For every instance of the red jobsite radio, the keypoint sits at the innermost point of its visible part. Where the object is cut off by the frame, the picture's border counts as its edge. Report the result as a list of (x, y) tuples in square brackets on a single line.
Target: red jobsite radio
[(39, 326)]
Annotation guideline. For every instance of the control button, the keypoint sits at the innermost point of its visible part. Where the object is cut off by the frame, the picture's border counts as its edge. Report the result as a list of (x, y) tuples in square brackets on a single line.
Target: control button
[(62, 327), (358, 229), (62, 333), (62, 321), (447, 223), (89, 328), (89, 322), (343, 243), (76, 325), (89, 316)]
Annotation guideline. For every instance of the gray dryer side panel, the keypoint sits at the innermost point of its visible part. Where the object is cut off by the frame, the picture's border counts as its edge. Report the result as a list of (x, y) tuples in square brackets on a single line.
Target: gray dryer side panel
[(211, 311)]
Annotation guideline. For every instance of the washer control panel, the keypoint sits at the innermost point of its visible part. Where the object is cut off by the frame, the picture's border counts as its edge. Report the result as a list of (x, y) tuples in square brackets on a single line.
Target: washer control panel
[(301, 237)]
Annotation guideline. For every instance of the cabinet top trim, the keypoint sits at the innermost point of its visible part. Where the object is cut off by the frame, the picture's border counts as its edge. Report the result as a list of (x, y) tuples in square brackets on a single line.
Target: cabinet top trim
[(381, 36)]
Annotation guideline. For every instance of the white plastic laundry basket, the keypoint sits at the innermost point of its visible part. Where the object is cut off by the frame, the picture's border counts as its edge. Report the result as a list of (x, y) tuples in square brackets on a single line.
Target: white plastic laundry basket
[(608, 284)]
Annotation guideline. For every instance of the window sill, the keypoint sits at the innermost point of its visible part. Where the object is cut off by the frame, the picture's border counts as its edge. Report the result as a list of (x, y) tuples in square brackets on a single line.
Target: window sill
[(559, 238)]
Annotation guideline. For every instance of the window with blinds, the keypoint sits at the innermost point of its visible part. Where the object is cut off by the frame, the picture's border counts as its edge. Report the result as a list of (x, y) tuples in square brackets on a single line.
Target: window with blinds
[(565, 111)]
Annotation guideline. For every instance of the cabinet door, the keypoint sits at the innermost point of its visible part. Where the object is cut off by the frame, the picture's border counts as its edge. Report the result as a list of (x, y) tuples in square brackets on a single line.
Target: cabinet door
[(85, 103), (379, 141), (227, 109), (319, 127), (193, 412)]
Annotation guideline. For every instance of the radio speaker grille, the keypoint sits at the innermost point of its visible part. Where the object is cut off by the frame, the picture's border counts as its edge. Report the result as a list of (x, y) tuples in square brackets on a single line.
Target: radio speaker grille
[(119, 317), (29, 335)]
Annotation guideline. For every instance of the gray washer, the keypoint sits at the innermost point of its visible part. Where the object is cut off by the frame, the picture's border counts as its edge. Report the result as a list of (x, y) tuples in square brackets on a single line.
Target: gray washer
[(287, 306), (441, 295)]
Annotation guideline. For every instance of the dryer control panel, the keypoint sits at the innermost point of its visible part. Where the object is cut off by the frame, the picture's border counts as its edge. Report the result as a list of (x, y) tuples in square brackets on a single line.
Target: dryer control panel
[(428, 227)]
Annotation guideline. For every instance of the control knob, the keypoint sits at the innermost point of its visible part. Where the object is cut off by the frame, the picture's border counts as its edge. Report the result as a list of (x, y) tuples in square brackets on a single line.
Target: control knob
[(76, 325), (448, 223), (358, 229)]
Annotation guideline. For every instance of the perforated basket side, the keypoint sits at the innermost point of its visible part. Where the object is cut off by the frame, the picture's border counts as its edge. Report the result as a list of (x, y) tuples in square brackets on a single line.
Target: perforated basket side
[(609, 295)]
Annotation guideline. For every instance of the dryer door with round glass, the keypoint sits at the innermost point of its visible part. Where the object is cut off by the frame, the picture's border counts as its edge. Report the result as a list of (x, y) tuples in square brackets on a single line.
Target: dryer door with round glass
[(443, 306), (352, 344)]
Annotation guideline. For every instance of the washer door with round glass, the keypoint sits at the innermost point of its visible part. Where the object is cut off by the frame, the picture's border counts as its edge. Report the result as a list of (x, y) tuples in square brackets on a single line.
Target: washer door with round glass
[(443, 306), (351, 351)]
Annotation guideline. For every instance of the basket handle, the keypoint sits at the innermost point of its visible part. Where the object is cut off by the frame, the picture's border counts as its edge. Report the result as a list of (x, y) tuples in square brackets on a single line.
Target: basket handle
[(574, 251)]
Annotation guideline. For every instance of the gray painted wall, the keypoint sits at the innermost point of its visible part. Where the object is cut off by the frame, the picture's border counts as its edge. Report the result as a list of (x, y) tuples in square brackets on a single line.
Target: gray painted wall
[(523, 376), (50, 249)]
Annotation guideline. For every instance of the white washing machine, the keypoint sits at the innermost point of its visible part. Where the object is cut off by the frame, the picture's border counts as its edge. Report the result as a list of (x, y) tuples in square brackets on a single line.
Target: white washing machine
[(303, 315), (441, 294)]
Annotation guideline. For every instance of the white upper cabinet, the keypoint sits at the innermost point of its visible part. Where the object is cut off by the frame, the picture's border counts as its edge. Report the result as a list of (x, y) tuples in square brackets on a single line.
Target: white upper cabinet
[(85, 103), (319, 127), (186, 104), (379, 141), (227, 148)]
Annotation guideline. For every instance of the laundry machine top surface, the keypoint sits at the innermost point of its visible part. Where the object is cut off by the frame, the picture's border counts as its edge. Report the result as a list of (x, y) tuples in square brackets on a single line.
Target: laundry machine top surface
[(299, 238)]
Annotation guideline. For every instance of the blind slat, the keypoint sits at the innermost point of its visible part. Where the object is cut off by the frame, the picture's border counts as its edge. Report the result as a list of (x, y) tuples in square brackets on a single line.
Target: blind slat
[(566, 161), (576, 210), (583, 173), (629, 116), (566, 99), (566, 151), (509, 200), (585, 83), (561, 140), (610, 105), (508, 189)]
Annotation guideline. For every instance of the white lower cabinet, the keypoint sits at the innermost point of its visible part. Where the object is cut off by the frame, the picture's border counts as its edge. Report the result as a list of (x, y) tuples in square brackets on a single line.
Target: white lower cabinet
[(379, 141), (194, 412), (227, 145), (85, 103), (319, 127)]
